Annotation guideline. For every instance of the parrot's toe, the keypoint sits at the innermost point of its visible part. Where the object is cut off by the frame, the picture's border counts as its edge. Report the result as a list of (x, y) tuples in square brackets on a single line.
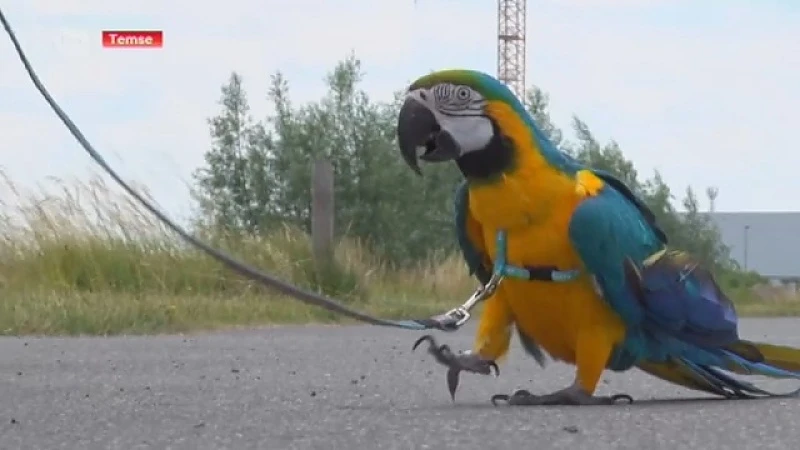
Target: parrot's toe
[(569, 396), (456, 363)]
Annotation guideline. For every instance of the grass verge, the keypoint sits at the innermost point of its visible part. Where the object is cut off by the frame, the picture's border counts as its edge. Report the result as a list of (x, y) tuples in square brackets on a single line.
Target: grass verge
[(81, 258)]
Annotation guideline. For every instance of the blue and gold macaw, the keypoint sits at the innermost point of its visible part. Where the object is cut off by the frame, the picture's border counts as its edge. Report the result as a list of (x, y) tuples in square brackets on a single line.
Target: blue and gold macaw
[(589, 277)]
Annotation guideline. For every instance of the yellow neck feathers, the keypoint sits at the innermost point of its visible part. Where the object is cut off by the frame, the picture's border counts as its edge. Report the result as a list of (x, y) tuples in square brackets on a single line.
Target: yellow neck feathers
[(533, 189)]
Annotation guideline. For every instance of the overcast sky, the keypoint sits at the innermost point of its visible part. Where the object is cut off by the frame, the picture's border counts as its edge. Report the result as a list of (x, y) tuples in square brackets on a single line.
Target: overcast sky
[(706, 92)]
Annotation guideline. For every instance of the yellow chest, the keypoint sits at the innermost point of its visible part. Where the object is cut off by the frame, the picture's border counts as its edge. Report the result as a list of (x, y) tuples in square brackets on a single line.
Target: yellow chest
[(553, 313)]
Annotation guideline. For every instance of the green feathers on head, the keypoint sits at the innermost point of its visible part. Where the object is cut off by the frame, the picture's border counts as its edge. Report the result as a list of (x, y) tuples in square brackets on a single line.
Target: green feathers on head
[(490, 87)]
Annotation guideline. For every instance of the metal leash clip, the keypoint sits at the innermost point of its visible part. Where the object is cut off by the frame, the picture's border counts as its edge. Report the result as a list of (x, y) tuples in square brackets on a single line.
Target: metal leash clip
[(455, 318)]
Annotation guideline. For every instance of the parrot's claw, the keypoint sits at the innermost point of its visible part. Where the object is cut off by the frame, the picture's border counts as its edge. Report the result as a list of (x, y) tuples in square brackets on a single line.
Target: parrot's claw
[(456, 363), (569, 396)]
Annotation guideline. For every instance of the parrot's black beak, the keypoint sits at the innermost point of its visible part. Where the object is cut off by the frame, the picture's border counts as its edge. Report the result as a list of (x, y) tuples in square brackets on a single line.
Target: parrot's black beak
[(420, 136)]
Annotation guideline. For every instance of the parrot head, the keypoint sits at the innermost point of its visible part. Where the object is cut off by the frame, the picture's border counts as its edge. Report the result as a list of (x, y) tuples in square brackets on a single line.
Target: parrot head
[(448, 116)]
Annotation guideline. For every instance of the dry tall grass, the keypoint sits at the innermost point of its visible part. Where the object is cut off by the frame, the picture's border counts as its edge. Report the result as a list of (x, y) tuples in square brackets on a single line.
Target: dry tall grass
[(81, 258)]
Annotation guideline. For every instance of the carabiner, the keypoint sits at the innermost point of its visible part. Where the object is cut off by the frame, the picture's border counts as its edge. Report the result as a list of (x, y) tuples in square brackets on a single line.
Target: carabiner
[(456, 318)]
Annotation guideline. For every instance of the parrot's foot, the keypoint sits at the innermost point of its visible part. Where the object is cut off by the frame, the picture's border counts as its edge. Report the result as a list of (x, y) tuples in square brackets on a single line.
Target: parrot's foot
[(456, 363), (572, 395)]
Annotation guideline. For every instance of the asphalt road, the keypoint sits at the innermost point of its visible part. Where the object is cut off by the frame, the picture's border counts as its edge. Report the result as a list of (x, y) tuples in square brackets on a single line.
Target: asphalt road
[(344, 388)]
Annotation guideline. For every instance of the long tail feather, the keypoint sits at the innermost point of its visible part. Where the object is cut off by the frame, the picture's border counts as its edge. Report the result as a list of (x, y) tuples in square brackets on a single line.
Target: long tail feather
[(757, 358), (675, 372), (742, 358)]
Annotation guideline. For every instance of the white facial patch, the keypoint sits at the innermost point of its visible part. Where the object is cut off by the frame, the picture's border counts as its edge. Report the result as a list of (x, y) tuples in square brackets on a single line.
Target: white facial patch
[(472, 133)]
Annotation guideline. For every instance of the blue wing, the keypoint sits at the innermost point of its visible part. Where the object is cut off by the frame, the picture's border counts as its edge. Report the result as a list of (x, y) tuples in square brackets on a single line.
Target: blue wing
[(672, 300), (471, 254), (681, 326)]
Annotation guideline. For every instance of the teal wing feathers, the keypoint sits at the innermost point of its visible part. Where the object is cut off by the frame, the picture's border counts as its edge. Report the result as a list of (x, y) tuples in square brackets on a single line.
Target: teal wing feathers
[(646, 212), (606, 230), (470, 252), (672, 297)]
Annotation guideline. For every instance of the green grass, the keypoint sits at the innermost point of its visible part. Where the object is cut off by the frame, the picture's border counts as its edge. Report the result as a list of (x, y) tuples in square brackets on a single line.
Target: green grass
[(767, 301), (81, 258)]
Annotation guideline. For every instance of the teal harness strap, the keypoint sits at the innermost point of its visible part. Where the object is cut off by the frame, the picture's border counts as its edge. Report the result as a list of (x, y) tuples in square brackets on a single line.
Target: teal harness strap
[(530, 273), (455, 318)]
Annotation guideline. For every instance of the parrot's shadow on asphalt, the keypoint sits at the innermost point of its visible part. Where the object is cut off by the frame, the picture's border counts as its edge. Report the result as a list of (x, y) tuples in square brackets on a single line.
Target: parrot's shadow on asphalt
[(655, 402), (645, 403)]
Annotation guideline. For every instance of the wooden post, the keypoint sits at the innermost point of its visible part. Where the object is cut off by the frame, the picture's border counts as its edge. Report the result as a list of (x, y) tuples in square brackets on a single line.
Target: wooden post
[(322, 212)]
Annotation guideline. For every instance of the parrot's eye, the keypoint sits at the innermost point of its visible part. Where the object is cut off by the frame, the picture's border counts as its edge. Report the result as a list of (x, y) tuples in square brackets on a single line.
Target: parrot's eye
[(462, 93)]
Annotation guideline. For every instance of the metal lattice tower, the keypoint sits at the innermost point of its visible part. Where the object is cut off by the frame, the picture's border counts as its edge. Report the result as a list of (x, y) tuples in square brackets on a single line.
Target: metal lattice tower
[(511, 18)]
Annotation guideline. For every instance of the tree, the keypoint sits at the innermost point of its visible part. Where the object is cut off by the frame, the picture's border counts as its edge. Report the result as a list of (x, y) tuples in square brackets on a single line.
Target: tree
[(357, 136), (235, 180), (372, 194)]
